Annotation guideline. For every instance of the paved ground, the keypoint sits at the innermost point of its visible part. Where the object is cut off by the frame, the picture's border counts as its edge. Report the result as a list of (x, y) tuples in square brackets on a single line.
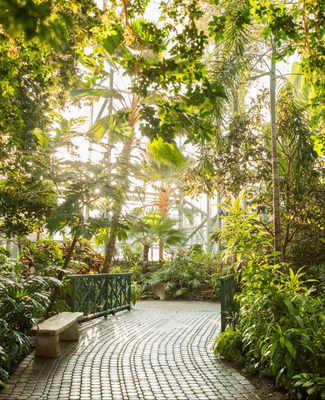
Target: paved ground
[(158, 351)]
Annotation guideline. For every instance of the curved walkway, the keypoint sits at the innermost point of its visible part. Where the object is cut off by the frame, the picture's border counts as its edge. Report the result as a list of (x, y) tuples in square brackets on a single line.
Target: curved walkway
[(156, 351)]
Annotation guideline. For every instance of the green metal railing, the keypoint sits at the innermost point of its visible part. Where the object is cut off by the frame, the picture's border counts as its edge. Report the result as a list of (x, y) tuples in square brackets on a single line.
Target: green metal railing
[(228, 302), (101, 294)]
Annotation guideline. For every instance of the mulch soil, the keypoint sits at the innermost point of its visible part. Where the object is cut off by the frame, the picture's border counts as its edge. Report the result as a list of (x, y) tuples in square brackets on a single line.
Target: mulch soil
[(263, 384)]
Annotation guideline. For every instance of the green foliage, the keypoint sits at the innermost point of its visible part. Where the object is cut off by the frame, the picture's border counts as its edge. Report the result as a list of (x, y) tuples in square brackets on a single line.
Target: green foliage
[(4, 255), (132, 255), (48, 256), (243, 234), (42, 255), (150, 227), (229, 345), (296, 29), (136, 291), (13, 346), (309, 386), (23, 296), (48, 22), (23, 299), (191, 274), (85, 259), (281, 321), (26, 204), (166, 152)]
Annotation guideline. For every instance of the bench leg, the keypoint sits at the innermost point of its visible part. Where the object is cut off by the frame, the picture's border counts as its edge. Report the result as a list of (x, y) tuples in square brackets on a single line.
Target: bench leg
[(47, 346), (71, 333)]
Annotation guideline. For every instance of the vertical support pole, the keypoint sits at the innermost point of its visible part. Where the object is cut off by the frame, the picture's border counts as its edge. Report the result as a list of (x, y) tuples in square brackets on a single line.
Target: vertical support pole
[(275, 172), (129, 281), (208, 247), (223, 304), (218, 219), (90, 285), (105, 294), (112, 298), (73, 294)]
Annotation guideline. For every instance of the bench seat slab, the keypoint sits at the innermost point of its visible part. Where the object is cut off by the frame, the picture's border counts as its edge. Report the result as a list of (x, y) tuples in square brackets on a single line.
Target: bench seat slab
[(57, 324)]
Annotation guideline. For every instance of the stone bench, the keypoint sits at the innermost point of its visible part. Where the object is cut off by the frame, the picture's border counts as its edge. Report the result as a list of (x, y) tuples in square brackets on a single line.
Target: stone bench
[(62, 326)]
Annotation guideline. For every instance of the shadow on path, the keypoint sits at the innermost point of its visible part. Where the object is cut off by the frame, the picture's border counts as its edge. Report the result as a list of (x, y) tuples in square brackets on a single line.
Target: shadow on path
[(156, 351)]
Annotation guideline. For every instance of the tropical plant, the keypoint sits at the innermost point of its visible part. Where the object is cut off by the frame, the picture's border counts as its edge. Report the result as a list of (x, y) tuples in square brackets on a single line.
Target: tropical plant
[(138, 48), (153, 227), (13, 346), (132, 255), (36, 73), (281, 318), (243, 235), (24, 296), (23, 300), (229, 345), (165, 178), (190, 274), (243, 161)]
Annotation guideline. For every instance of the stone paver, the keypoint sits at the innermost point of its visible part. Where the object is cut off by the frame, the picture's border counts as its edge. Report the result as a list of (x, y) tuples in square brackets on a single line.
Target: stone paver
[(158, 351)]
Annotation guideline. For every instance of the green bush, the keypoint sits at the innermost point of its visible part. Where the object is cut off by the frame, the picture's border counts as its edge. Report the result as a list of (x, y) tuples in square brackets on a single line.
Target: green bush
[(48, 254), (191, 274), (23, 300), (283, 325), (132, 255), (4, 255), (281, 321), (229, 345)]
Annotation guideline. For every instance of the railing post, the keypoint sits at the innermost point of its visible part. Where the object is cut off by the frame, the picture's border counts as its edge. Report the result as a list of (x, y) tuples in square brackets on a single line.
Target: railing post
[(73, 294), (129, 280), (105, 290), (227, 293)]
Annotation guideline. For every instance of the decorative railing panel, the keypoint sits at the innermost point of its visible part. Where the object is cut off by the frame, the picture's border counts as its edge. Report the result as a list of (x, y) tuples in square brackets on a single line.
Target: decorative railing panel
[(229, 305), (100, 294)]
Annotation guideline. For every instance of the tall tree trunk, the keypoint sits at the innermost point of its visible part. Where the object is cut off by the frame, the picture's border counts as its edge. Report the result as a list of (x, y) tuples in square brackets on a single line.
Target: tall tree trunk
[(146, 248), (56, 289), (111, 241), (161, 250), (123, 172), (275, 172)]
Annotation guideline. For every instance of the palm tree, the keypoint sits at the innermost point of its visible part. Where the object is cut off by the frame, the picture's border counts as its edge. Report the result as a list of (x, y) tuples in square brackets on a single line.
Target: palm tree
[(151, 227), (166, 180), (120, 125)]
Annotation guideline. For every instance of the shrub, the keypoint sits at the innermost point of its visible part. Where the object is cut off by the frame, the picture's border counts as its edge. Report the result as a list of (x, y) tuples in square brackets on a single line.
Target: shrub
[(23, 299), (189, 274), (229, 345), (132, 255), (281, 321)]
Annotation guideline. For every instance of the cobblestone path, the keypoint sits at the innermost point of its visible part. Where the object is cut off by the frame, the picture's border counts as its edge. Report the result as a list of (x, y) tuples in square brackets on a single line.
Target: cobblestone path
[(157, 351)]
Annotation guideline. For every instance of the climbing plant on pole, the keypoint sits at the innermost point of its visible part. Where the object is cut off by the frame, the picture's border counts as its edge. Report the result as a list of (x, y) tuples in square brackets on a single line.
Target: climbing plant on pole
[(275, 166)]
